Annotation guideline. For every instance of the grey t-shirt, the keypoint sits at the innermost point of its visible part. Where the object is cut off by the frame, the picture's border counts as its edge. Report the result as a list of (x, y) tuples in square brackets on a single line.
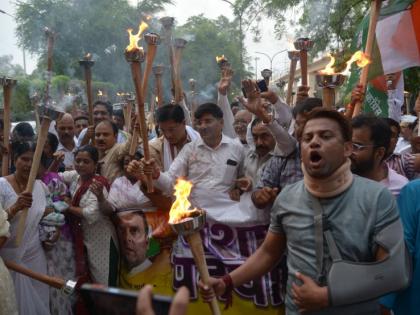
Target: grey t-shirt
[(354, 218)]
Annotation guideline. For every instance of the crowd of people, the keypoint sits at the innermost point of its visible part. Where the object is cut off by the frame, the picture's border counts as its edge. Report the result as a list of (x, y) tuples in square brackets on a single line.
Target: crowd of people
[(314, 176)]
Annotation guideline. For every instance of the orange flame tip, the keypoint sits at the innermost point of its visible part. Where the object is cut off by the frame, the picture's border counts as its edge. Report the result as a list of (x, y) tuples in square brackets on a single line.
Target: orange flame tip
[(181, 207), (220, 58), (361, 59), (134, 38)]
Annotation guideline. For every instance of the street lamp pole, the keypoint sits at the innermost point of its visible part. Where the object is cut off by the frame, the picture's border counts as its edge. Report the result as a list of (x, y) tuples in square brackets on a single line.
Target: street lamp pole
[(271, 58), (256, 68), (23, 50)]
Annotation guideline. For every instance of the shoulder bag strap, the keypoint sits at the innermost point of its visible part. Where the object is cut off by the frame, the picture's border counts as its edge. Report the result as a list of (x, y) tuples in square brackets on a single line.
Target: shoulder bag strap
[(319, 238)]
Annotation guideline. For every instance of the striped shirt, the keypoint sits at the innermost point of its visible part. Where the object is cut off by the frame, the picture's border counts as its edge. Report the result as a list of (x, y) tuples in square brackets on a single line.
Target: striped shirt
[(281, 171), (403, 164)]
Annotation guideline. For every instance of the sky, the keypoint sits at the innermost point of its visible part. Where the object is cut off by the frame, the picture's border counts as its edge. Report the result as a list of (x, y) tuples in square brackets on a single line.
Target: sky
[(181, 10)]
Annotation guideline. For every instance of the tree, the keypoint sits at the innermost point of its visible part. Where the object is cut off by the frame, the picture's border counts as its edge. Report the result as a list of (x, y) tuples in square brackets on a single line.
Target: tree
[(210, 38), (8, 68), (82, 26), (331, 24)]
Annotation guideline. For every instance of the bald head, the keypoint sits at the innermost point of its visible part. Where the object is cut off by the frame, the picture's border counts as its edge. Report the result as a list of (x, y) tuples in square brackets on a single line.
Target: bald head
[(65, 129), (242, 119)]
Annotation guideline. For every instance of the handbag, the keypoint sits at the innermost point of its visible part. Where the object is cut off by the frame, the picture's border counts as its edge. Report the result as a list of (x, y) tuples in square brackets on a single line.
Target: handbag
[(355, 282)]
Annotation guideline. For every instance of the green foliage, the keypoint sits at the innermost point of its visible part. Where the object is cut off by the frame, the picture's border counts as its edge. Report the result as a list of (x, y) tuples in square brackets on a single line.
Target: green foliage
[(210, 38), (331, 24), (82, 26), (8, 69)]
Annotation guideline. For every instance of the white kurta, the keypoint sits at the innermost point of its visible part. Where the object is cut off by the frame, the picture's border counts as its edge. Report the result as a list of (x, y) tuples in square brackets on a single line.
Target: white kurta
[(7, 294), (32, 296), (98, 230)]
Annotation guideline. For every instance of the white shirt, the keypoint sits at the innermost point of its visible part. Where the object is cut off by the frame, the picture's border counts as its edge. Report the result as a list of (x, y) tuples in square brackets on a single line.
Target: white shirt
[(121, 138), (206, 167), (68, 154)]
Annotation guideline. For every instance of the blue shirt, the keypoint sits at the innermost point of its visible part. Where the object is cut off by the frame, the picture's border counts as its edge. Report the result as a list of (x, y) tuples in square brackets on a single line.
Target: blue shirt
[(407, 302)]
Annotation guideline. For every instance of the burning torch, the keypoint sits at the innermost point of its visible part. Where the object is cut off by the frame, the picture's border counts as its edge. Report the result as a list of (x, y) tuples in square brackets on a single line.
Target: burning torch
[(87, 64), (328, 79), (303, 45), (168, 24), (294, 56), (135, 56), (179, 45), (188, 223), (222, 62)]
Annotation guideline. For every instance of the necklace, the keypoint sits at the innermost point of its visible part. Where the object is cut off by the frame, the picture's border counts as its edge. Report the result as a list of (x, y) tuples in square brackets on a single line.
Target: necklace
[(20, 186)]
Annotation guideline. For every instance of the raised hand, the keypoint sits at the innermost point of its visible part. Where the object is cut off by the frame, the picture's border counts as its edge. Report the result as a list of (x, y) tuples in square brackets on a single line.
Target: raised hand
[(97, 188), (357, 95), (254, 103), (225, 80)]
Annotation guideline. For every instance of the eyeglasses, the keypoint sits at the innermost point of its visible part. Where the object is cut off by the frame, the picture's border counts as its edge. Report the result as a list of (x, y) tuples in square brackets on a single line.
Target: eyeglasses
[(361, 147)]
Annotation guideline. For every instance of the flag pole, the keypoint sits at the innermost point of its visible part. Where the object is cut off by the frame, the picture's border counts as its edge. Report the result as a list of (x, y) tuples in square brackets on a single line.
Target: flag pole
[(374, 14)]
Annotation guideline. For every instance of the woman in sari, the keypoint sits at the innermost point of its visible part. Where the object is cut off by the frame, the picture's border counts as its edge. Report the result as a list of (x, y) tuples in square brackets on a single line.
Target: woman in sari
[(94, 234), (7, 294), (32, 296)]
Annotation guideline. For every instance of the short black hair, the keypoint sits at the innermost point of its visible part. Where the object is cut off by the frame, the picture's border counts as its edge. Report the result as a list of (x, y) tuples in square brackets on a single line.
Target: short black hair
[(393, 123), (81, 118), (91, 150), (208, 108), (107, 105), (111, 123), (380, 131), (118, 113), (306, 106), (23, 130), (235, 104), (53, 141), (345, 127), (21, 147), (170, 112)]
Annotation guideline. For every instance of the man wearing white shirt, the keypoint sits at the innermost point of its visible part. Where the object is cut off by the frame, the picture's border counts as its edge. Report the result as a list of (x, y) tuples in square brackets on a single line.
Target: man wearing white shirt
[(67, 141), (101, 111), (213, 161)]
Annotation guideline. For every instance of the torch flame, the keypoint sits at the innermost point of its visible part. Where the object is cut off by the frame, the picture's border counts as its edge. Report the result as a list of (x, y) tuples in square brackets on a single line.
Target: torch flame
[(361, 59), (157, 99), (181, 207), (100, 93), (220, 58), (329, 69), (88, 56), (134, 38)]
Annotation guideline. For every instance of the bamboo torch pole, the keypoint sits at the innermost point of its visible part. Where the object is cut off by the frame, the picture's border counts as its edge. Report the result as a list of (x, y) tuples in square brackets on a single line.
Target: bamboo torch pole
[(50, 47), (152, 40), (158, 71), (48, 115), (179, 45), (374, 14), (168, 24), (135, 55), (67, 287), (87, 64), (8, 85), (294, 57), (303, 45)]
